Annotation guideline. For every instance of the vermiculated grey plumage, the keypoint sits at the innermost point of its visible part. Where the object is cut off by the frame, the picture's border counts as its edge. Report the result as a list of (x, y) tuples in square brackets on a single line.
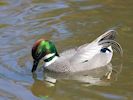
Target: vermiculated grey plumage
[(87, 56)]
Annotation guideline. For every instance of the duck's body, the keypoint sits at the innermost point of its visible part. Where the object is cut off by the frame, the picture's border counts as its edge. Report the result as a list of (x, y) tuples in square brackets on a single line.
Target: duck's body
[(86, 57), (70, 62)]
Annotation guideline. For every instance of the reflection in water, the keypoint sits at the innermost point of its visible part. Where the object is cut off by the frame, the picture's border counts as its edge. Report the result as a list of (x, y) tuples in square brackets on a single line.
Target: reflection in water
[(47, 86), (41, 88)]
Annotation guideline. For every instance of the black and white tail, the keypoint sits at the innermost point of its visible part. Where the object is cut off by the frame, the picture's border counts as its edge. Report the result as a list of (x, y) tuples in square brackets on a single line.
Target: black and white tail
[(108, 39)]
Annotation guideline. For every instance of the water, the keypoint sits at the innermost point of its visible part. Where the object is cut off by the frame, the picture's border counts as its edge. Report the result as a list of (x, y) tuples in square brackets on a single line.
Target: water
[(68, 23)]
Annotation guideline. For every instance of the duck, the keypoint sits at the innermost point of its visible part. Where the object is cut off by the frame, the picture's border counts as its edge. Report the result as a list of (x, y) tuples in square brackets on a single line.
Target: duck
[(95, 54)]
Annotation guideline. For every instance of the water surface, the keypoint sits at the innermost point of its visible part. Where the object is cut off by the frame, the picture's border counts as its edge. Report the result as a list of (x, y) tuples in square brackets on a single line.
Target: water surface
[(68, 23)]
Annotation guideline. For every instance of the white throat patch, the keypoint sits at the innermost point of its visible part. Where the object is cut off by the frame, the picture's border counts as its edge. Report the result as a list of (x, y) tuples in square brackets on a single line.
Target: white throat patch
[(50, 62)]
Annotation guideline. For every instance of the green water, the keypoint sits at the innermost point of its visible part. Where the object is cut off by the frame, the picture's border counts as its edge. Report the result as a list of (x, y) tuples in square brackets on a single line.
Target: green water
[(68, 23)]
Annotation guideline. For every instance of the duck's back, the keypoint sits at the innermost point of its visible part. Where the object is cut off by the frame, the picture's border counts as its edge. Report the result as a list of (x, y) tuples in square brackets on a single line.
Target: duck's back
[(88, 56), (65, 63)]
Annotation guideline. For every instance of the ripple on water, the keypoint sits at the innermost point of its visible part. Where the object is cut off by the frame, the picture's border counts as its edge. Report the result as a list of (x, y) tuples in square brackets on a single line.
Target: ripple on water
[(22, 22), (14, 91)]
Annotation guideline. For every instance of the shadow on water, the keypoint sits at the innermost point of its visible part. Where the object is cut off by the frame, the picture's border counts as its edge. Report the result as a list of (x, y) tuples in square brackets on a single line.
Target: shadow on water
[(68, 23)]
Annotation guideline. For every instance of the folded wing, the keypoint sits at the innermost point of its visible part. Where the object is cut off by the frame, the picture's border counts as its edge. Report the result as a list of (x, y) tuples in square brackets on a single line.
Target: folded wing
[(88, 51)]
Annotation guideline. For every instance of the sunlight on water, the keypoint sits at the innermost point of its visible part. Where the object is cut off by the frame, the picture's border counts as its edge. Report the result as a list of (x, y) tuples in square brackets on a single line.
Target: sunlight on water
[(68, 23)]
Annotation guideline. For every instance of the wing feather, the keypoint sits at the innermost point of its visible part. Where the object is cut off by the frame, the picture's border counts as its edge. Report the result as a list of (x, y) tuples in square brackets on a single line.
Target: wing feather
[(88, 51)]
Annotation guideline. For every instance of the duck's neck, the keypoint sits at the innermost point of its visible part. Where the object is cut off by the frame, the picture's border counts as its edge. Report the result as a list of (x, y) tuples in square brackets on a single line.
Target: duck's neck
[(49, 59)]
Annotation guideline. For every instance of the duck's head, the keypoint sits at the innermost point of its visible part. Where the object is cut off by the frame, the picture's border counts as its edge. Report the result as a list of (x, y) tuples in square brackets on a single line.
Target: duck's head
[(43, 49)]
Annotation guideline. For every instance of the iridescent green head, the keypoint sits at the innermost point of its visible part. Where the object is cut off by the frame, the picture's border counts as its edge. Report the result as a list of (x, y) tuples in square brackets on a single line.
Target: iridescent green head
[(42, 49)]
